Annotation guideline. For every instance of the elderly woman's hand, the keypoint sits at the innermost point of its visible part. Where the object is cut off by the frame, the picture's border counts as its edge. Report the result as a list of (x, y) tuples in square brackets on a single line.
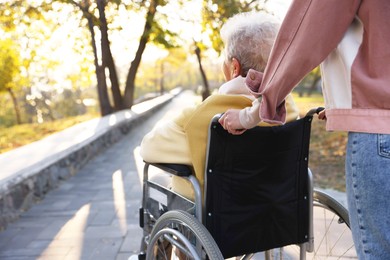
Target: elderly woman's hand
[(230, 121)]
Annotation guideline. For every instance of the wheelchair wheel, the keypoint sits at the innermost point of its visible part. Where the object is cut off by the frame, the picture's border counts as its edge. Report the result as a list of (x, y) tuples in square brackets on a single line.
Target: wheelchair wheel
[(332, 234), (179, 233)]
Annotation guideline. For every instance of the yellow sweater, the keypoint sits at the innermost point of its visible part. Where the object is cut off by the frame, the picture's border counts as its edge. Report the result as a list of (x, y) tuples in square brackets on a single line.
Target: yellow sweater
[(184, 140)]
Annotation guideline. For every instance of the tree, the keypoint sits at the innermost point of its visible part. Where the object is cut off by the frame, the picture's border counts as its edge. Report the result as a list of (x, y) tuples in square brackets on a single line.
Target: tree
[(16, 12), (173, 69), (310, 83), (214, 15), (31, 25), (216, 12), (315, 78), (169, 66), (16, 17), (96, 15), (145, 37), (105, 107), (206, 89), (9, 72)]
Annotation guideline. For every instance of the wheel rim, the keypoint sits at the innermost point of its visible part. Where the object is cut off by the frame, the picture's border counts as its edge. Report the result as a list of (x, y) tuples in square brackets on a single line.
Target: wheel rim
[(179, 234), (332, 236), (165, 243)]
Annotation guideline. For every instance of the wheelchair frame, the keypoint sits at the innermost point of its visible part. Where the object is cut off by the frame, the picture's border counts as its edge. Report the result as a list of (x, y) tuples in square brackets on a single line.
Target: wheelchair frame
[(161, 207)]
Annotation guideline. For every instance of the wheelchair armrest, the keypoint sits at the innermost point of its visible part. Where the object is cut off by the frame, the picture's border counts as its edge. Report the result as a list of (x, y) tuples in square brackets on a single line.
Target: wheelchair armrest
[(181, 170)]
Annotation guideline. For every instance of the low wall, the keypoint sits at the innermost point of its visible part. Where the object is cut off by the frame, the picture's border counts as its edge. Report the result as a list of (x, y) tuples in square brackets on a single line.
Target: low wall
[(29, 172)]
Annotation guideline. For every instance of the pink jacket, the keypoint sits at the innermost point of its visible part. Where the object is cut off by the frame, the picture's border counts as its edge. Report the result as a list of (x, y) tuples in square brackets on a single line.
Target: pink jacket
[(351, 40)]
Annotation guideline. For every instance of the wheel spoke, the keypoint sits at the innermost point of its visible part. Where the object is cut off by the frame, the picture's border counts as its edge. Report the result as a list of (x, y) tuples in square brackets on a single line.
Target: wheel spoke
[(188, 239)]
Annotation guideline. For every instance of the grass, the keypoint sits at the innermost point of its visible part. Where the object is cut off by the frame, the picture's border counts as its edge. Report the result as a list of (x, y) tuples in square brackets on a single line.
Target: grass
[(19, 135), (327, 149)]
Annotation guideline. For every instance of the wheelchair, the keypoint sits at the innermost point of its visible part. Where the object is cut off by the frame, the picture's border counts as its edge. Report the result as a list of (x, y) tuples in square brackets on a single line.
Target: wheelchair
[(258, 199)]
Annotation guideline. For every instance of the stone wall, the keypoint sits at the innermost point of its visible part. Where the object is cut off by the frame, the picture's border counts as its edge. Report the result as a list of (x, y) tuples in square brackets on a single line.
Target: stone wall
[(20, 191)]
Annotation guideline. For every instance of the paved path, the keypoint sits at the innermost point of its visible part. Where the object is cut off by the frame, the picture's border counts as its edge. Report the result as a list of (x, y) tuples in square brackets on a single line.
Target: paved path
[(94, 214)]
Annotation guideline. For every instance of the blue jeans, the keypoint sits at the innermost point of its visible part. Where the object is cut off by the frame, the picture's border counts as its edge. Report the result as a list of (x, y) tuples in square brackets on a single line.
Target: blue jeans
[(368, 190)]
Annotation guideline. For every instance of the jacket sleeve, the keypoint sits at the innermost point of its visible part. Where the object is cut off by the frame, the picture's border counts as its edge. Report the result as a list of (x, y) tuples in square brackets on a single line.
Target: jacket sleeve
[(249, 119), (309, 32)]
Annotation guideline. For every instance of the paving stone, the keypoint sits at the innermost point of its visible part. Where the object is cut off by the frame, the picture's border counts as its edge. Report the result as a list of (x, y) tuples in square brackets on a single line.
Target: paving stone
[(123, 256), (106, 249), (23, 241), (28, 253), (52, 230), (7, 235), (108, 231), (41, 244), (132, 241), (103, 218), (19, 258), (52, 252)]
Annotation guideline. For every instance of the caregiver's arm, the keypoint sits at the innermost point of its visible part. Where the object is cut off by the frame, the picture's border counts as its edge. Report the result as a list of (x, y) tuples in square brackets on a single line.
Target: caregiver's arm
[(309, 32)]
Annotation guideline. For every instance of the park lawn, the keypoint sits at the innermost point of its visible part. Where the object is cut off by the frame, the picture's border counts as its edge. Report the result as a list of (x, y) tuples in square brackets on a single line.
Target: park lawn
[(19, 135)]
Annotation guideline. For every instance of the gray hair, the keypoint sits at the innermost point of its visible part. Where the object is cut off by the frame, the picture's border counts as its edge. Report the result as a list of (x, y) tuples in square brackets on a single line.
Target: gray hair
[(249, 38)]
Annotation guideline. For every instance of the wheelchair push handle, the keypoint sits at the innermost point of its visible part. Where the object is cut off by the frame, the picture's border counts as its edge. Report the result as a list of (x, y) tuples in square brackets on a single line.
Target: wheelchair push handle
[(315, 110), (310, 113)]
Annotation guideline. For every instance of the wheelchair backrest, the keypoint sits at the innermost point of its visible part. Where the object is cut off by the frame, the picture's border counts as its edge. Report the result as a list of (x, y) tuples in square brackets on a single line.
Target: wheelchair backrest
[(257, 187)]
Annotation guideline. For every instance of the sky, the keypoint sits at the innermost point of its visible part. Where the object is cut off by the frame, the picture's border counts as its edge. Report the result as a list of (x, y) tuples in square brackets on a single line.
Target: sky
[(279, 7)]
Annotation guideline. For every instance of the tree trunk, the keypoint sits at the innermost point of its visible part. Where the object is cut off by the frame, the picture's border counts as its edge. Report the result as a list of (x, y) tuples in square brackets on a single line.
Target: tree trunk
[(104, 102), (130, 81), (206, 90), (162, 79), (105, 106), (313, 85), (107, 59), (16, 106)]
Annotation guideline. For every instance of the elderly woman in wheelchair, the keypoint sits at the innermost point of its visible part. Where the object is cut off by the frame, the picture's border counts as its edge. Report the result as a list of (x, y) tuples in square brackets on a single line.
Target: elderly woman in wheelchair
[(248, 39), (220, 201)]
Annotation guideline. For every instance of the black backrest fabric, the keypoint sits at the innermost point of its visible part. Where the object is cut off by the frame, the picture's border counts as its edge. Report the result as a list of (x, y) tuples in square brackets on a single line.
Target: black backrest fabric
[(257, 187)]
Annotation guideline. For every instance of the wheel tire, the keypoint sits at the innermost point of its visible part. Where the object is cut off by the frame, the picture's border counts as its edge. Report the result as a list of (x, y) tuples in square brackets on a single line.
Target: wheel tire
[(332, 204), (165, 231)]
